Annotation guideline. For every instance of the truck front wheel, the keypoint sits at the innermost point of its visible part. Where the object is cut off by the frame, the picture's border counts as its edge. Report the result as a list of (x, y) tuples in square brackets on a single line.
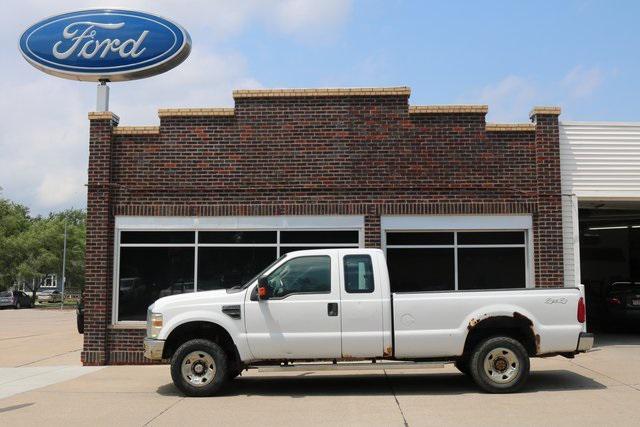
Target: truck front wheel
[(462, 365), (499, 365), (199, 368)]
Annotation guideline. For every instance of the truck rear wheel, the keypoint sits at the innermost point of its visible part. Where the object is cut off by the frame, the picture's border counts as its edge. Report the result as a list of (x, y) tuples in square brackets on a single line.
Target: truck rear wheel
[(499, 365), (199, 368)]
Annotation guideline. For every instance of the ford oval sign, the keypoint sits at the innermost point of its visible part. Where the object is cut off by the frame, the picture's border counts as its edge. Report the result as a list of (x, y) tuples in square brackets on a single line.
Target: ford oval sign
[(105, 44)]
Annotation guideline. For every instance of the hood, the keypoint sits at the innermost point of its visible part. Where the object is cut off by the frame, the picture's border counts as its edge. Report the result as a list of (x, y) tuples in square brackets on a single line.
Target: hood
[(193, 298)]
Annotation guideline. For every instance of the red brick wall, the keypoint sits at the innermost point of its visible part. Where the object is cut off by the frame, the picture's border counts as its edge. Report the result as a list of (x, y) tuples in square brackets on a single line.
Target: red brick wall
[(548, 216), (99, 245), (361, 155)]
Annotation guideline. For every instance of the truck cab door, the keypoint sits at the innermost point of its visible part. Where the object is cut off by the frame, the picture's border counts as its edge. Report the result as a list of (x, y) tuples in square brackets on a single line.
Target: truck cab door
[(362, 306), (300, 319)]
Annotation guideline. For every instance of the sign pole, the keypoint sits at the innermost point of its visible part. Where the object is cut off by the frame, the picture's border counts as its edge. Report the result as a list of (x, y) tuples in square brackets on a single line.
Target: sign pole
[(102, 100)]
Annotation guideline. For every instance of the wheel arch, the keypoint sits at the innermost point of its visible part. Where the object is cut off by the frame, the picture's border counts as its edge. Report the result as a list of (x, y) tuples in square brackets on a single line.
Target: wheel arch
[(201, 329), (516, 326)]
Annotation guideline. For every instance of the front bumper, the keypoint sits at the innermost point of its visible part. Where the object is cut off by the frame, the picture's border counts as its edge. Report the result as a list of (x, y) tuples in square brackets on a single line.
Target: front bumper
[(153, 348), (585, 342)]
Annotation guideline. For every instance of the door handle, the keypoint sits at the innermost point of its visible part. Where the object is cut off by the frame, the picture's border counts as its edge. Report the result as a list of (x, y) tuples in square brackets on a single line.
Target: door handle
[(332, 309)]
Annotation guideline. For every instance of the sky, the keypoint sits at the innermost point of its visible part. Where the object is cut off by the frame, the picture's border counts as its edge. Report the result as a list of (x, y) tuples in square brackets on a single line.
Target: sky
[(511, 55)]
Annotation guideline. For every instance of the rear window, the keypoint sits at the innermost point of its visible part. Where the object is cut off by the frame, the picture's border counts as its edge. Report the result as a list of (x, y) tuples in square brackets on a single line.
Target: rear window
[(5, 294)]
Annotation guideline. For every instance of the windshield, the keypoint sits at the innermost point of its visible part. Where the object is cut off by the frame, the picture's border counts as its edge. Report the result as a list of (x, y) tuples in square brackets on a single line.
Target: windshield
[(5, 294), (253, 279)]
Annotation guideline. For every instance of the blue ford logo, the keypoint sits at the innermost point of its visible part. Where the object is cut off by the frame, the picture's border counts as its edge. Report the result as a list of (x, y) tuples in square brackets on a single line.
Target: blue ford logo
[(105, 44)]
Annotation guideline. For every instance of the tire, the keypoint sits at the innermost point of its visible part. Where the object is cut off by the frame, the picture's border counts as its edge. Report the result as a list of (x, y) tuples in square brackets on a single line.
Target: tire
[(499, 365), (210, 357), (18, 306), (234, 373), (80, 324), (462, 365)]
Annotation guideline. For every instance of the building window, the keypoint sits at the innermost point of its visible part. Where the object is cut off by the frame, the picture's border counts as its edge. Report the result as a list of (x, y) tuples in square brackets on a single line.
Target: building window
[(149, 273), (151, 264), (456, 260)]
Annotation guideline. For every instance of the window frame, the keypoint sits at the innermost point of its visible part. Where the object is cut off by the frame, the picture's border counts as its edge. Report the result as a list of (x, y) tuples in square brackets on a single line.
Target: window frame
[(208, 224), (461, 224)]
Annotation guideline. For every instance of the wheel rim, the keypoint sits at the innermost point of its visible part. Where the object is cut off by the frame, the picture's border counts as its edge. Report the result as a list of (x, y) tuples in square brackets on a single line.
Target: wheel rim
[(501, 365), (198, 368)]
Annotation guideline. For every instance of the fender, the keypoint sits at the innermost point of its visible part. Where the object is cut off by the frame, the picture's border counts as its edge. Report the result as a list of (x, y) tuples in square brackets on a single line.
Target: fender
[(501, 310), (237, 333)]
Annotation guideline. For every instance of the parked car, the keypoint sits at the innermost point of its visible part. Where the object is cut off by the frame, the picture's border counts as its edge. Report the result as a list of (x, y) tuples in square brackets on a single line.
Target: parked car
[(15, 299), (336, 306), (49, 296), (623, 303), (80, 315)]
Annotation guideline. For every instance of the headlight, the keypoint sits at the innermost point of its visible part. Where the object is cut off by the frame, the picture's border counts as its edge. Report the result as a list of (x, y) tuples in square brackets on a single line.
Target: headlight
[(154, 324)]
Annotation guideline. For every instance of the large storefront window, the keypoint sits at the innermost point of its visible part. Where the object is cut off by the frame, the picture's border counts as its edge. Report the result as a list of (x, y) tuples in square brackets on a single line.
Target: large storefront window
[(153, 264), (456, 260)]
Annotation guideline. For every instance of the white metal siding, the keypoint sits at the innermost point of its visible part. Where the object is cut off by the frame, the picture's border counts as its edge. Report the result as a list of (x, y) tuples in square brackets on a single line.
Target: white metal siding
[(598, 161)]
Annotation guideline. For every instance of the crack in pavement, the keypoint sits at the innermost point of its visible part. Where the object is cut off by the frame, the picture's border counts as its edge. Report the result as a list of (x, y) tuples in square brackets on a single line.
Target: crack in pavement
[(22, 336), (48, 357), (164, 411), (604, 375), (404, 419)]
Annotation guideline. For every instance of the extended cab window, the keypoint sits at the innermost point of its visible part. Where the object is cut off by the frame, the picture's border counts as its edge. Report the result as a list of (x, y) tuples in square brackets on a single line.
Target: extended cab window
[(310, 274), (358, 274)]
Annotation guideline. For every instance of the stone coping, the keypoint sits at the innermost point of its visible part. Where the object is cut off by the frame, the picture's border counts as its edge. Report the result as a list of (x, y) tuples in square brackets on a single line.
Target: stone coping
[(193, 112), (288, 93), (555, 111), (430, 109), (103, 115), (136, 130), (510, 127)]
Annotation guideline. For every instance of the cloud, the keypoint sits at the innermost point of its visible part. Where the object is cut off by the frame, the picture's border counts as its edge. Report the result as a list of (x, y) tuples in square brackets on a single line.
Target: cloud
[(206, 79), (512, 97), (508, 100), (310, 19), (59, 187), (581, 81), (44, 135)]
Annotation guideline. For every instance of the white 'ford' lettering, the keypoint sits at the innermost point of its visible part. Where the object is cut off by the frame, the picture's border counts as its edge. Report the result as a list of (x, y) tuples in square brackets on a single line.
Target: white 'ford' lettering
[(92, 46)]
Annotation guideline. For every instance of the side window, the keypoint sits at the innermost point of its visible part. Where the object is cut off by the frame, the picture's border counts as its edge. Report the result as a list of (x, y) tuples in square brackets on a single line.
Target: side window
[(358, 274), (310, 275)]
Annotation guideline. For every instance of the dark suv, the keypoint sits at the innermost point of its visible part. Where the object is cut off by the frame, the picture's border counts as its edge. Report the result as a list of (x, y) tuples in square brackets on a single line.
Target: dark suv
[(15, 299)]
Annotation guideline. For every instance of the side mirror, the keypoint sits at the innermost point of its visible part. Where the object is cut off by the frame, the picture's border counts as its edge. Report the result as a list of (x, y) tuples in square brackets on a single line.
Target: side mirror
[(263, 288)]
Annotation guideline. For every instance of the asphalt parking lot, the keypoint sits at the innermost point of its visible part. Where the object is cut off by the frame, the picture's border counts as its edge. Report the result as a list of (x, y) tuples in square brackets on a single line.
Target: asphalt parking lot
[(43, 384)]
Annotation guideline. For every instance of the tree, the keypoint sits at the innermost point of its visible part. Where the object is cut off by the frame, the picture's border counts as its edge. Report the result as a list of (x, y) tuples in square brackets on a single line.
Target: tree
[(31, 247), (14, 220)]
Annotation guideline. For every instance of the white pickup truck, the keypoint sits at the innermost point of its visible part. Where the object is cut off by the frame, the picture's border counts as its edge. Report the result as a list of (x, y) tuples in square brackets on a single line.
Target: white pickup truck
[(333, 309)]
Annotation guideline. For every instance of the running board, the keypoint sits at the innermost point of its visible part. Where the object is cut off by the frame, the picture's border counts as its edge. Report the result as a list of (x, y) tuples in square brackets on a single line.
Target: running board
[(350, 366)]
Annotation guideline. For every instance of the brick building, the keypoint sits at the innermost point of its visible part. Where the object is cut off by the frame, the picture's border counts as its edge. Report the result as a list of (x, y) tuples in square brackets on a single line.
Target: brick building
[(211, 196)]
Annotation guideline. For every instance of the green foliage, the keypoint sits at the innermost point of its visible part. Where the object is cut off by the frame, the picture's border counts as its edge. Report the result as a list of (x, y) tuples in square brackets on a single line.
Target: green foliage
[(31, 247)]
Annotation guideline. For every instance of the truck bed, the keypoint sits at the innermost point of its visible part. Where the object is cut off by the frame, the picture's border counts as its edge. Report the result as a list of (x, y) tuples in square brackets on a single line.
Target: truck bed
[(436, 324)]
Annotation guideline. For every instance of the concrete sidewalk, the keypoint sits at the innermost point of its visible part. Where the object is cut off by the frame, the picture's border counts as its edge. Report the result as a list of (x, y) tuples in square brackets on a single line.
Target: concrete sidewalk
[(598, 388), (39, 337), (601, 388)]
